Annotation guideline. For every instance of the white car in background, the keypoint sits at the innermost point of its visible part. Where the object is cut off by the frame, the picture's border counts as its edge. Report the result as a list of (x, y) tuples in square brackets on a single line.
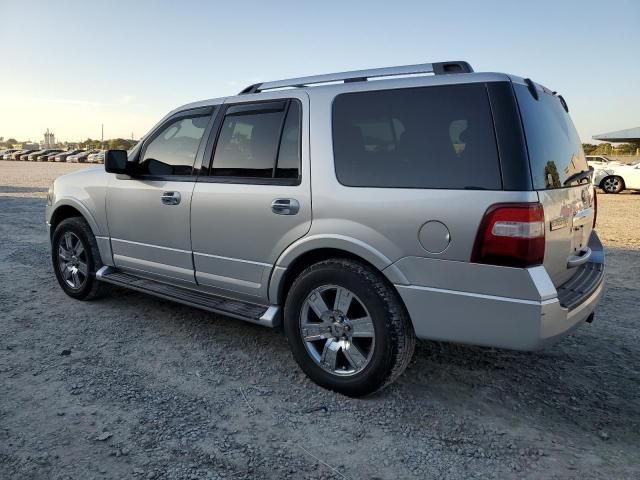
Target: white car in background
[(97, 157), (600, 164), (600, 161), (80, 157), (616, 178)]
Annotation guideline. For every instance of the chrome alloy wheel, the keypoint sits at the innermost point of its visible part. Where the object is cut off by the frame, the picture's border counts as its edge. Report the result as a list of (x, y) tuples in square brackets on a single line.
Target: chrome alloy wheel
[(611, 184), (337, 330), (72, 260)]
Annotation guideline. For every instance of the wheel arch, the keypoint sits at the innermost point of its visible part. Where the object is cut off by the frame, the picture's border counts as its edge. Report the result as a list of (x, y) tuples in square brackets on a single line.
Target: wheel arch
[(67, 209), (301, 255)]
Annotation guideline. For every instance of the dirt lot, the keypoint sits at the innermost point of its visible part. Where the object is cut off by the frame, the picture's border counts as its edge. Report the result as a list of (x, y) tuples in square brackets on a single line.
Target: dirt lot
[(135, 387)]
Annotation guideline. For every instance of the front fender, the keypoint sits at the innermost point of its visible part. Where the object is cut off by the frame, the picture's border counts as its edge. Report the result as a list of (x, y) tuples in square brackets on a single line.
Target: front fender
[(80, 207)]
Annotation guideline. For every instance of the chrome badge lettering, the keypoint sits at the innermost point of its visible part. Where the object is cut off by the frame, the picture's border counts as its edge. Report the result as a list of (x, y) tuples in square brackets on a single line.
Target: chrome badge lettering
[(558, 223)]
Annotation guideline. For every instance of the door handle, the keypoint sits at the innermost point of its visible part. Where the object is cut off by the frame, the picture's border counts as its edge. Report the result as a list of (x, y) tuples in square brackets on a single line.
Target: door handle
[(170, 198), (285, 206)]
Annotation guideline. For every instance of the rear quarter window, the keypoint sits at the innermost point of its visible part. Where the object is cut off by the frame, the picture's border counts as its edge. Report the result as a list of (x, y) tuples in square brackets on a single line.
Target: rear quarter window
[(555, 150), (427, 137)]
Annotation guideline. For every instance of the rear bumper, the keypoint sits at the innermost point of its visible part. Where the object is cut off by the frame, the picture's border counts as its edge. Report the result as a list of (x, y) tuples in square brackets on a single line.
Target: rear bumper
[(535, 320)]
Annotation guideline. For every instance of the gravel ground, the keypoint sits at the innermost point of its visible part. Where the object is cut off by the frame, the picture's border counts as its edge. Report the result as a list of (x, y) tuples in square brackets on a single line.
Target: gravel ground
[(135, 387)]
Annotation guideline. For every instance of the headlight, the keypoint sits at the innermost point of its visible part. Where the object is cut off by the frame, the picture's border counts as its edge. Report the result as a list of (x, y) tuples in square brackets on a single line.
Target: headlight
[(50, 196)]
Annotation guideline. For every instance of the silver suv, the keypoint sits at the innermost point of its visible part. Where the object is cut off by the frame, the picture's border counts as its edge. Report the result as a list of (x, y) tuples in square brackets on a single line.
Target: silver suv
[(358, 210)]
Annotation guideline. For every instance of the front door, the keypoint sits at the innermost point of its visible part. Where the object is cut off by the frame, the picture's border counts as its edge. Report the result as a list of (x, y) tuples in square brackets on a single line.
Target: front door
[(255, 200), (148, 213)]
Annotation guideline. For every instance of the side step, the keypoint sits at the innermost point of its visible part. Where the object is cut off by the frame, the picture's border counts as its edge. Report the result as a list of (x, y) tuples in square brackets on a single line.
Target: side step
[(250, 312)]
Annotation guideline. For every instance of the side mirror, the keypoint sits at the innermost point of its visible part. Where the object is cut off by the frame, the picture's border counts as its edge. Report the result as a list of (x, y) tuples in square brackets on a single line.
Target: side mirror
[(115, 161)]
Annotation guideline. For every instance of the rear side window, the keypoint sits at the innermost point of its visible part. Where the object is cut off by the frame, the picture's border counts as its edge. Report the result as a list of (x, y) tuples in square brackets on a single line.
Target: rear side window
[(555, 150), (260, 141), (427, 137)]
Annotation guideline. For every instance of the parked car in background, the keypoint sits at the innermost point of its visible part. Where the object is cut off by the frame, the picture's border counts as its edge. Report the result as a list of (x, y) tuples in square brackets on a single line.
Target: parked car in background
[(32, 156), (44, 156), (96, 157), (600, 161), (454, 206), (12, 155), (7, 152), (50, 156), (20, 155), (81, 157), (62, 157), (616, 178)]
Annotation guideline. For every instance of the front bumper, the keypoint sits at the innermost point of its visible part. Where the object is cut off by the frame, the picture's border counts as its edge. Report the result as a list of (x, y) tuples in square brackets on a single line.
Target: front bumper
[(483, 318)]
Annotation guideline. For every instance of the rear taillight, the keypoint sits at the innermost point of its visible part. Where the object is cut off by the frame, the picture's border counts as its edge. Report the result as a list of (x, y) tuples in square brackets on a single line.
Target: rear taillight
[(595, 207), (511, 234)]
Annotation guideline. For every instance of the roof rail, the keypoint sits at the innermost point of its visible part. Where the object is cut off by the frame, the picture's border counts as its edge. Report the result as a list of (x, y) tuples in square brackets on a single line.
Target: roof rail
[(439, 68)]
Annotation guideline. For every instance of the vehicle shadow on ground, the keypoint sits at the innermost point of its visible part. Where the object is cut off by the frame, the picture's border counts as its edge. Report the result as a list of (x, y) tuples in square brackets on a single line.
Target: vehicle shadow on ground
[(577, 384), (588, 382)]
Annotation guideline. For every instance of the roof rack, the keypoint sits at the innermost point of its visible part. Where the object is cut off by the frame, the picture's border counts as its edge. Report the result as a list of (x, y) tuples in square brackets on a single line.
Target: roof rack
[(438, 68)]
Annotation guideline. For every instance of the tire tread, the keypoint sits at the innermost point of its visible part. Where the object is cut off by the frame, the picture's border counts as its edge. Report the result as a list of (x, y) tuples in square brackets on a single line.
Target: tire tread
[(397, 320)]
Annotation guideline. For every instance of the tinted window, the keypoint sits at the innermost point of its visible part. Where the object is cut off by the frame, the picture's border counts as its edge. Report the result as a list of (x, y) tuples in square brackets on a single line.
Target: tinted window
[(555, 150), (247, 145), (430, 137), (250, 141), (289, 154), (173, 150)]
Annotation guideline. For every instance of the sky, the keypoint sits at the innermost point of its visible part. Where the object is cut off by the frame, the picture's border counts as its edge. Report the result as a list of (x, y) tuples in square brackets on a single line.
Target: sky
[(72, 66)]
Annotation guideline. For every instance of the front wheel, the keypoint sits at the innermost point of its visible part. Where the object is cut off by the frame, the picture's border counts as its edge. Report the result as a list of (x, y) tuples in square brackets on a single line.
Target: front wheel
[(612, 184), (347, 328), (76, 258)]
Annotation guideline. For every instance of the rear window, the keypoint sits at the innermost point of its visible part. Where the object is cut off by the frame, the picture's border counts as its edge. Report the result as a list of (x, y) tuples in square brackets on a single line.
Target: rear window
[(555, 150), (427, 137)]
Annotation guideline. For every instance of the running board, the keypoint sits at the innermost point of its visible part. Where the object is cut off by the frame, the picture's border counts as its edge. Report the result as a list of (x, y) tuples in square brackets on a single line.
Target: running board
[(250, 312)]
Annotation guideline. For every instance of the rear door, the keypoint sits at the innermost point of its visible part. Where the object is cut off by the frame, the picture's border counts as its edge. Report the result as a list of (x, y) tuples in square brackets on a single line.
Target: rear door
[(255, 199), (557, 167)]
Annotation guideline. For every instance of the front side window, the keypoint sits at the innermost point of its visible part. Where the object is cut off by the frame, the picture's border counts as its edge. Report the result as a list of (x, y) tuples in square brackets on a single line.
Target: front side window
[(426, 137), (173, 150), (260, 142)]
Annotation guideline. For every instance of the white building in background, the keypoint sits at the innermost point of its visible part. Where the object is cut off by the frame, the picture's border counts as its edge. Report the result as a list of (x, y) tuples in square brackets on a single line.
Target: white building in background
[(49, 140)]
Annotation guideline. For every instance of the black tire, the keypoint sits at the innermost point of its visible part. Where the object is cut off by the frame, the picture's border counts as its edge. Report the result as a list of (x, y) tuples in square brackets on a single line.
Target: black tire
[(612, 184), (394, 340), (89, 288)]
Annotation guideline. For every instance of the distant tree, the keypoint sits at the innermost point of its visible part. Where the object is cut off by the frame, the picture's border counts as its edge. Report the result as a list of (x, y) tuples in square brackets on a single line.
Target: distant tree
[(603, 149), (91, 144), (552, 178), (119, 144), (10, 142), (625, 149)]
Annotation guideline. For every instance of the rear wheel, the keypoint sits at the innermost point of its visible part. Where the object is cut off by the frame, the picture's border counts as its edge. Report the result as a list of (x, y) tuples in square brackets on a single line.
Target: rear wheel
[(612, 184), (346, 327), (76, 259)]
